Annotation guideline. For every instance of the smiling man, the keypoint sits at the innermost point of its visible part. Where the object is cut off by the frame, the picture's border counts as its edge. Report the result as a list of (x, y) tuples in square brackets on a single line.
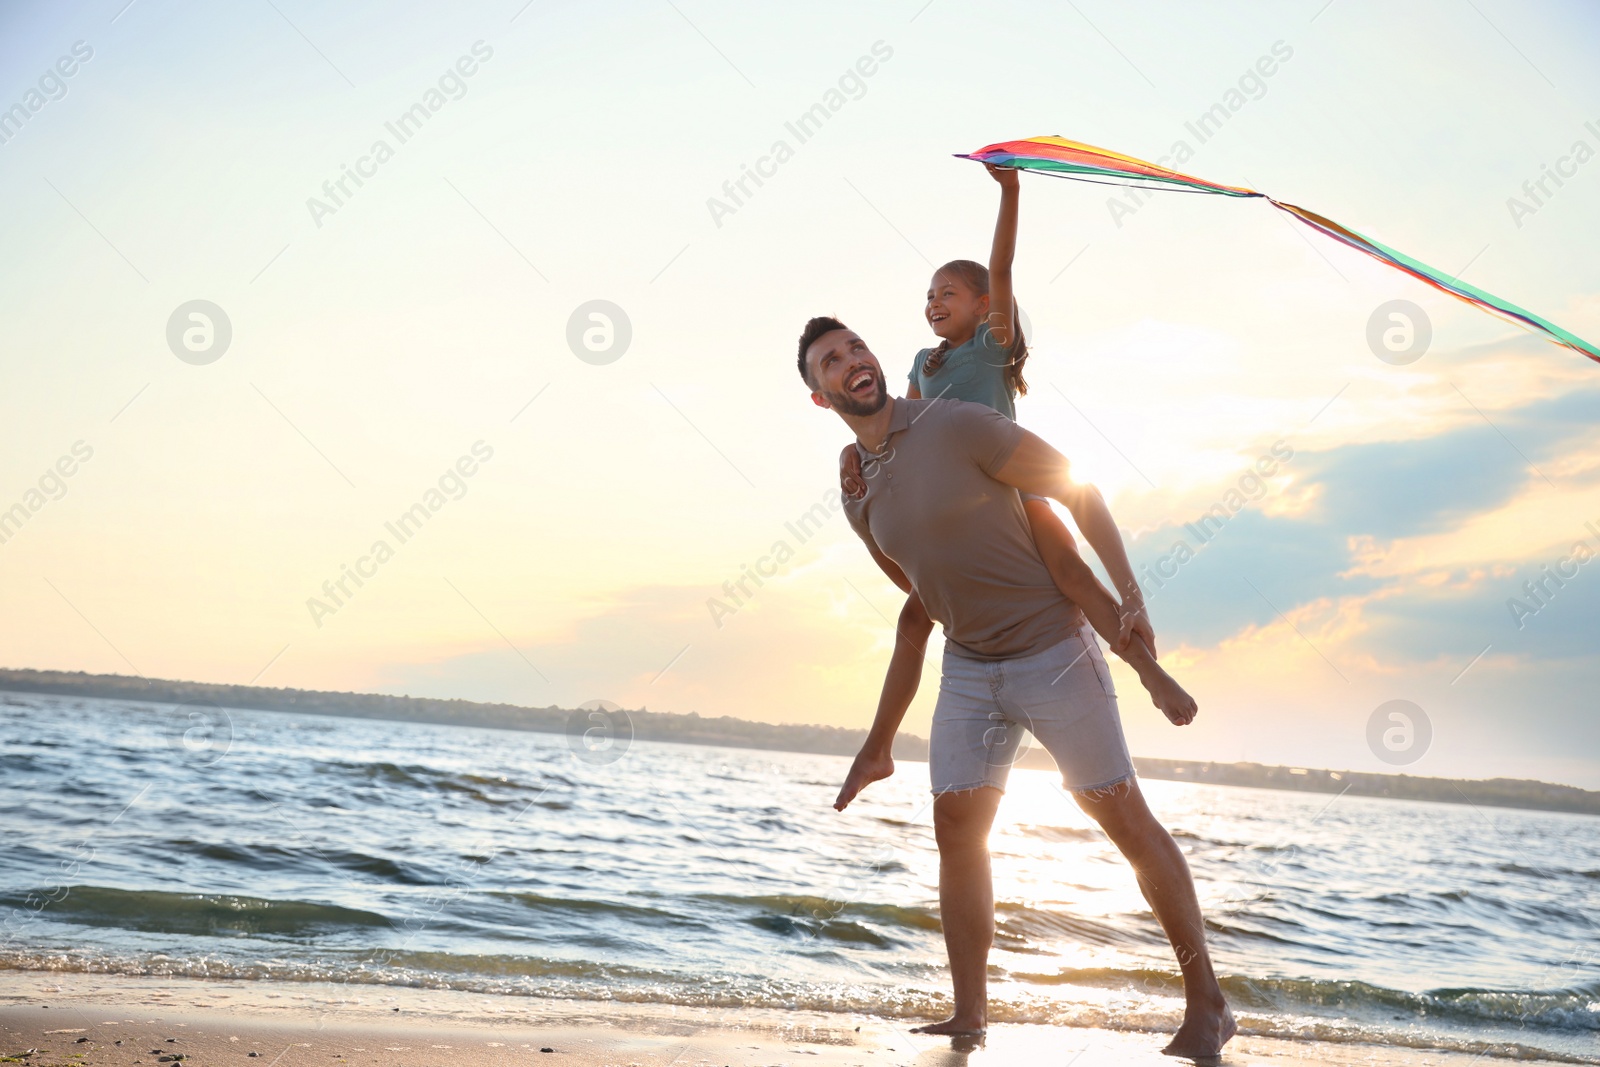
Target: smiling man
[(943, 517)]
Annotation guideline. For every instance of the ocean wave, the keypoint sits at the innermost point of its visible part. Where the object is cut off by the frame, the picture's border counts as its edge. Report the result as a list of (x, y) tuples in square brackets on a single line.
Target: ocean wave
[(1546, 872), (500, 913), (1250, 933), (811, 907), (1023, 928), (482, 787), (1572, 1009), (215, 914), (591, 909), (270, 857), (1566, 1009)]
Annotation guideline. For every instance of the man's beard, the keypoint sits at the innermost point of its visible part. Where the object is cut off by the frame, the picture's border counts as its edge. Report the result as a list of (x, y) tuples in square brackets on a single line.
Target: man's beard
[(846, 404)]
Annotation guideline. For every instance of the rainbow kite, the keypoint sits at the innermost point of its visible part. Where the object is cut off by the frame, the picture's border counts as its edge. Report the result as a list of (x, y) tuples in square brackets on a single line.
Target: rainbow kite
[(1062, 158)]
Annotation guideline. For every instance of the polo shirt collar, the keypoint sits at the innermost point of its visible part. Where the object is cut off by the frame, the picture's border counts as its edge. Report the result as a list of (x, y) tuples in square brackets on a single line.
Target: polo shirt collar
[(899, 416), (899, 419)]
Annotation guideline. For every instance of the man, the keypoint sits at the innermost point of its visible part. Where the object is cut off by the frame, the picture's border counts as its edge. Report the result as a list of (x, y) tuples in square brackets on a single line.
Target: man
[(943, 518)]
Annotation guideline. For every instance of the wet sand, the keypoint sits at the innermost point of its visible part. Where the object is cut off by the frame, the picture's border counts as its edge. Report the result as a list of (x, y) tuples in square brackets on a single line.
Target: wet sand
[(100, 1021)]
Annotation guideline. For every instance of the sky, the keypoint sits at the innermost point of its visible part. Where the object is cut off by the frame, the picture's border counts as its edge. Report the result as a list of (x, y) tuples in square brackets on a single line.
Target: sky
[(415, 343)]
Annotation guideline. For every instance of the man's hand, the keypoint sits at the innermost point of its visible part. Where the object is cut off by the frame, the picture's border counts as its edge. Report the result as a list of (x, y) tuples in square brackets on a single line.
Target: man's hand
[(850, 479), (1134, 619), (870, 766), (1006, 176)]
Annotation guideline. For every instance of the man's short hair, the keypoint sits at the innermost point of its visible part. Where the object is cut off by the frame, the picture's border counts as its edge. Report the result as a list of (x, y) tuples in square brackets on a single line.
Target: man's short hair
[(818, 326)]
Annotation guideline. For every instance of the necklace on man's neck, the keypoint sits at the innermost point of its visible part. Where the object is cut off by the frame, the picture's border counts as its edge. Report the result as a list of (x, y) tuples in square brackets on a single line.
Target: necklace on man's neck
[(888, 432)]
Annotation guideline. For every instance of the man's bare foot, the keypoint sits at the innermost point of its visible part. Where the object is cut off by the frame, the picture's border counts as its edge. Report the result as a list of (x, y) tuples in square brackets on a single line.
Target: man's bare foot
[(1203, 1033), (869, 767), (953, 1027), (1173, 700)]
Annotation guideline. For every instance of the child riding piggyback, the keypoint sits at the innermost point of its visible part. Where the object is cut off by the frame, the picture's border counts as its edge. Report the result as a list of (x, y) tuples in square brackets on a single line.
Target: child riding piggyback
[(979, 359)]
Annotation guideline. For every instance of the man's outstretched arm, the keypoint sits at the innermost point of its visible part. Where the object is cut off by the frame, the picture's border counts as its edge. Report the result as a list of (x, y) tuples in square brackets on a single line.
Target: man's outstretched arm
[(875, 761), (1035, 467)]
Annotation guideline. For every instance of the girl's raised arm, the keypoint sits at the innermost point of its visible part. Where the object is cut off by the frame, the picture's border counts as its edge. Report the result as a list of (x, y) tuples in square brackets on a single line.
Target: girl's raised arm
[(1002, 306)]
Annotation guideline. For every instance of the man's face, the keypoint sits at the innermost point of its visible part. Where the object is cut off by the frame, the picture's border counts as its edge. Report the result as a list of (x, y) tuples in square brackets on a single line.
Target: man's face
[(847, 376)]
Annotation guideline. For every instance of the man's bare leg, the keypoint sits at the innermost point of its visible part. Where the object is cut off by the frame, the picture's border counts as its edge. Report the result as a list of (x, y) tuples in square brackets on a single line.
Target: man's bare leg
[(1165, 881), (961, 824)]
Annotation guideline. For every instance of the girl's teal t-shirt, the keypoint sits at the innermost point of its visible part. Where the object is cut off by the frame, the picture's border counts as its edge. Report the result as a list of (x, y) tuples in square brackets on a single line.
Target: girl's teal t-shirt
[(975, 372)]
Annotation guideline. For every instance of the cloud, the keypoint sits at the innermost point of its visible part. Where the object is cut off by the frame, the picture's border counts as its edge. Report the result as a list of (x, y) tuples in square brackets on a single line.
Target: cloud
[(1375, 503)]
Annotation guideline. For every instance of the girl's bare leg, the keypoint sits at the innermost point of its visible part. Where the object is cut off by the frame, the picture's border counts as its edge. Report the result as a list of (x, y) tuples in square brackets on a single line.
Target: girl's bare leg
[(1078, 583)]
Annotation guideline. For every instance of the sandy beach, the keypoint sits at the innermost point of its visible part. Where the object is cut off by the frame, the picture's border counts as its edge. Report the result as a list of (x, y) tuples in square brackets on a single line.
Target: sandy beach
[(101, 1021)]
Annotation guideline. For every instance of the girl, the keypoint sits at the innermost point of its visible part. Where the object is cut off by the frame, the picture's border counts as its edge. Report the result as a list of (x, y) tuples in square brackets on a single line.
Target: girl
[(979, 359)]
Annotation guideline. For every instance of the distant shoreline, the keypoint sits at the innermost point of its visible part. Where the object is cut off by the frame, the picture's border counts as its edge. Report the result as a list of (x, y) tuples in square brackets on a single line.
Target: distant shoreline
[(729, 732)]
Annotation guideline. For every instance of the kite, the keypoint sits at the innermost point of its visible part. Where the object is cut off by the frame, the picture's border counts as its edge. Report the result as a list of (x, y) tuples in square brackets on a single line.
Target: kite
[(1061, 158)]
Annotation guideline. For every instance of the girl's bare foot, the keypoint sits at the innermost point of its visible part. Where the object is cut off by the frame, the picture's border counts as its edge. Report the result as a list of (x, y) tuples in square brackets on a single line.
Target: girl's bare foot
[(870, 766), (1173, 700)]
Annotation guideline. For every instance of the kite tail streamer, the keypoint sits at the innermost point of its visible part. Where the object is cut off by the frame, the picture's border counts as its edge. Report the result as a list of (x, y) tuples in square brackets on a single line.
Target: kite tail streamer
[(1471, 294), (1062, 158)]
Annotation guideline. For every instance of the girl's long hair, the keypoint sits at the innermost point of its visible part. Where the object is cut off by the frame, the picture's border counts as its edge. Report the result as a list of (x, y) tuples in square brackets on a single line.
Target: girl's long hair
[(976, 276)]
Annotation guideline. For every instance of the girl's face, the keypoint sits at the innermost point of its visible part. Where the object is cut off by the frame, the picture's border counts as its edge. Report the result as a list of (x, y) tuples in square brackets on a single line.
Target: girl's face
[(954, 308)]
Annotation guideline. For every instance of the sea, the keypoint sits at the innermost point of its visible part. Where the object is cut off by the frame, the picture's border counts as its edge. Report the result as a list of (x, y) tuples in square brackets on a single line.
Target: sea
[(219, 843)]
